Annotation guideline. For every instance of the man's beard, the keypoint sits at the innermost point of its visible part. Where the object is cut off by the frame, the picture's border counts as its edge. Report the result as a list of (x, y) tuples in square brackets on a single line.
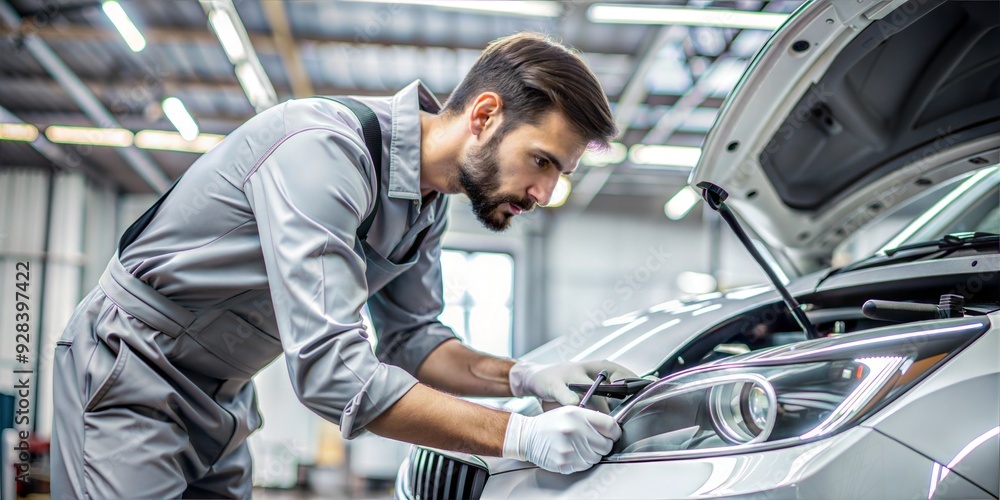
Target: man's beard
[(479, 175)]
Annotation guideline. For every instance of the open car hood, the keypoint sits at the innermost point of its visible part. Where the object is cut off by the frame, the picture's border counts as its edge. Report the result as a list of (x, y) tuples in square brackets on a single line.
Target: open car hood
[(853, 107)]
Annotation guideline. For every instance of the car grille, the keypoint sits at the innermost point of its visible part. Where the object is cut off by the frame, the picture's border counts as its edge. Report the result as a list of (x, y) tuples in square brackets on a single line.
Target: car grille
[(434, 476)]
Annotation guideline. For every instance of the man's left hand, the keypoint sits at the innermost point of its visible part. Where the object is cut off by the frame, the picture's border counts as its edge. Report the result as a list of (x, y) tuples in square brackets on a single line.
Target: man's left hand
[(549, 382)]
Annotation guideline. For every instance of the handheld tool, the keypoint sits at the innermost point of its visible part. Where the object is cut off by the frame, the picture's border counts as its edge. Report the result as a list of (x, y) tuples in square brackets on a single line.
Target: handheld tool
[(620, 388), (601, 377)]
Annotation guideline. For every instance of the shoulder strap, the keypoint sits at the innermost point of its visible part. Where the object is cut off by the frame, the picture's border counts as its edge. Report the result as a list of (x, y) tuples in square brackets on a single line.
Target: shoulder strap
[(373, 141)]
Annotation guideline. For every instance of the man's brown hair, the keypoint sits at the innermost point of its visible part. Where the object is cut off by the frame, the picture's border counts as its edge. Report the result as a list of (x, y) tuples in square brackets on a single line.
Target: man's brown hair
[(533, 75)]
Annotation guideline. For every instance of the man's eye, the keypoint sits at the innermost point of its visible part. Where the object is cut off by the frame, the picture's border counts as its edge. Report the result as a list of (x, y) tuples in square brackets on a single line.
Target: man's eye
[(541, 162)]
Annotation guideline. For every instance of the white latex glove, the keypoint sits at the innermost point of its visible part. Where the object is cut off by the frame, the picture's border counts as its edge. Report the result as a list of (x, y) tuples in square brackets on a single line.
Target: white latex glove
[(564, 440), (549, 382)]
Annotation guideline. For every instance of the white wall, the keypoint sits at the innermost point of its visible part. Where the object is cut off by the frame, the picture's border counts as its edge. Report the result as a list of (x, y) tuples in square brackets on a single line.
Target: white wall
[(600, 266), (63, 226), (603, 265)]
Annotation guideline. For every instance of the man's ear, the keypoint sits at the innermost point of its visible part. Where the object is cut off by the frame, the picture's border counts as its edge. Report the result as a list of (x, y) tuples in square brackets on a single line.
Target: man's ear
[(485, 113)]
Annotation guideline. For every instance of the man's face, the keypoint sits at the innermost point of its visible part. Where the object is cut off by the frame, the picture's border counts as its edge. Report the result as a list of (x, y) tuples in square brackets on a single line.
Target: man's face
[(512, 172)]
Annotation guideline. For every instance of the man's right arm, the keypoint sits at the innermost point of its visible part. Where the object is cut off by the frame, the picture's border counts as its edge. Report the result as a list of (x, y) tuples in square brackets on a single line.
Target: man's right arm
[(417, 418), (567, 439)]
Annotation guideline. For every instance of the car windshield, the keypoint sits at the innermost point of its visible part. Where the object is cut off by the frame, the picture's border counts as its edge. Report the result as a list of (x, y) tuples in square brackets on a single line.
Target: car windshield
[(965, 204)]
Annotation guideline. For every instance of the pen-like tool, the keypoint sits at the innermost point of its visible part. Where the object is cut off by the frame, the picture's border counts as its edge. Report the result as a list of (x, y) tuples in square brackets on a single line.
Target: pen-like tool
[(601, 377)]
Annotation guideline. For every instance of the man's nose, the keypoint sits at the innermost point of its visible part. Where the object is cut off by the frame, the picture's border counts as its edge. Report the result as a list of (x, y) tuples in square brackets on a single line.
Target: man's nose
[(541, 190)]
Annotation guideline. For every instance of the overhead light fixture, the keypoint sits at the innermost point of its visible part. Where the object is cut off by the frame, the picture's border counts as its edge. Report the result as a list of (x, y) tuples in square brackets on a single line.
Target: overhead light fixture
[(120, 19), (224, 27), (685, 16), (681, 203), (560, 193), (530, 8), (89, 136), (18, 132), (677, 156), (180, 118), (616, 153), (172, 141), (253, 87), (232, 34), (112, 137)]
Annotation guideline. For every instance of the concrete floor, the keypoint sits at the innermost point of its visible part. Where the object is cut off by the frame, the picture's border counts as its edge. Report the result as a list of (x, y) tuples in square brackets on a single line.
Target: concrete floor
[(331, 484), (341, 494)]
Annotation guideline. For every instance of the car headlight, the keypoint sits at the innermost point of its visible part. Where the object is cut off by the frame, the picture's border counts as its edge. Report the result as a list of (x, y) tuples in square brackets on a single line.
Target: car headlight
[(786, 395), (744, 411)]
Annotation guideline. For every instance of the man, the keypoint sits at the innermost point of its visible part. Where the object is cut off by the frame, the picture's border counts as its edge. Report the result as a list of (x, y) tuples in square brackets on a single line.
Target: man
[(273, 242)]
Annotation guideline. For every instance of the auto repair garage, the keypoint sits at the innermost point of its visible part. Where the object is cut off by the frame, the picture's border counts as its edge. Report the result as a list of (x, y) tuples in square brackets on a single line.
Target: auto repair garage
[(488, 249)]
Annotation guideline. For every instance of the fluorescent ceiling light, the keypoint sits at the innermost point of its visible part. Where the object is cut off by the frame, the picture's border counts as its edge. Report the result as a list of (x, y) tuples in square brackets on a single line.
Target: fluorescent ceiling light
[(18, 132), (180, 118), (686, 16), (232, 34), (616, 153), (172, 141), (677, 156), (560, 193), (90, 136), (129, 32), (681, 203), (230, 39), (531, 8), (252, 86)]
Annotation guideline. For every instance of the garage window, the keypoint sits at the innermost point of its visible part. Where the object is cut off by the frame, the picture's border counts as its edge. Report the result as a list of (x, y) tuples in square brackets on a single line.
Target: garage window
[(479, 294)]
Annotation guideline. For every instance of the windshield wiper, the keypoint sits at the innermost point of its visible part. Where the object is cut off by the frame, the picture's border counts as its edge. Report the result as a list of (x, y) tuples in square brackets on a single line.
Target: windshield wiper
[(950, 241)]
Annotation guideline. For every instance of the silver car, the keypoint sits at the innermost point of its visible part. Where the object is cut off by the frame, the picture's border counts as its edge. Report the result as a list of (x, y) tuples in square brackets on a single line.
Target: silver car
[(874, 371)]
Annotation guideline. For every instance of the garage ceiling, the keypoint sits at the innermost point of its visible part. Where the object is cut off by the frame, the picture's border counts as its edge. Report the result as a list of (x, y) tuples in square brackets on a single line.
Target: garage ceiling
[(674, 76)]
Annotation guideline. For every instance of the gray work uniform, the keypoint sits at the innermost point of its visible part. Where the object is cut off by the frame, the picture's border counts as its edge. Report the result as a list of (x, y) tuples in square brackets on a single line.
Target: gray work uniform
[(253, 254)]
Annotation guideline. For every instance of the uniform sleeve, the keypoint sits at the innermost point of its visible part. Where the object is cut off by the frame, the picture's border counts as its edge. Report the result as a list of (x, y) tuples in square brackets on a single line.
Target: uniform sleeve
[(405, 311), (309, 194)]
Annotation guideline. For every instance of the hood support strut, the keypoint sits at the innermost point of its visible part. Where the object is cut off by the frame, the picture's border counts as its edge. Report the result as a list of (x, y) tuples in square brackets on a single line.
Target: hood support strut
[(715, 197)]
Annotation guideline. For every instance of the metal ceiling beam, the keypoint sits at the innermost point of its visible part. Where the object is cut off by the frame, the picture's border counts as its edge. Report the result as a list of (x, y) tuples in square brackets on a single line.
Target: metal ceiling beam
[(287, 48), (229, 84), (60, 157), (636, 90), (695, 96), (262, 42), (675, 116), (104, 87), (140, 161), (635, 93), (110, 91)]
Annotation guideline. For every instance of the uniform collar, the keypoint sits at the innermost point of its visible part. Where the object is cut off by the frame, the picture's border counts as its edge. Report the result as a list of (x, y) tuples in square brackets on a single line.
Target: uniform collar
[(404, 148)]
